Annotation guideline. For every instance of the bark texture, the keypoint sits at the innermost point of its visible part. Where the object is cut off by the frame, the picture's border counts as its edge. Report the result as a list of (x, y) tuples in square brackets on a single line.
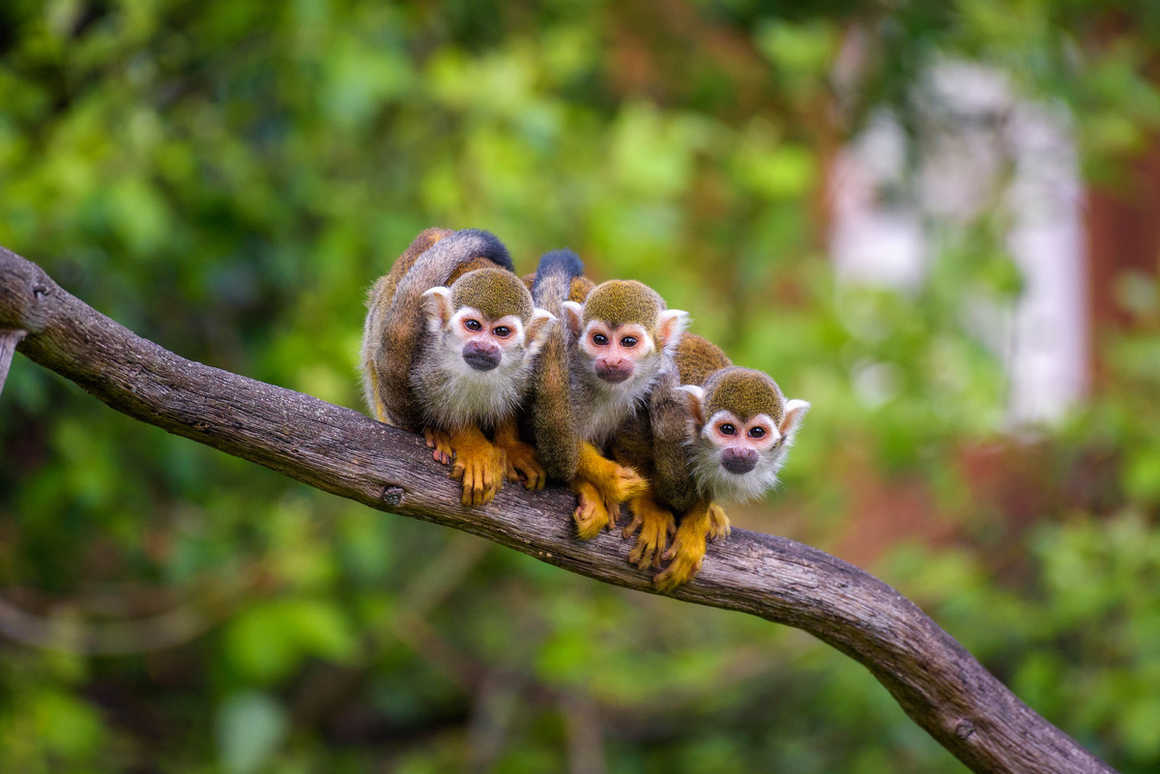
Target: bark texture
[(935, 680)]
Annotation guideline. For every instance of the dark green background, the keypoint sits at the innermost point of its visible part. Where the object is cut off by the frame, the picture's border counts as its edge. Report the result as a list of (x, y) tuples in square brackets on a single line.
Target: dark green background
[(228, 178)]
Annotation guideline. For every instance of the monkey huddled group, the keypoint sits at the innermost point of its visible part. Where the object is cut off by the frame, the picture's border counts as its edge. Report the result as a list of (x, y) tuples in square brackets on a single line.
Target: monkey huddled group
[(553, 377)]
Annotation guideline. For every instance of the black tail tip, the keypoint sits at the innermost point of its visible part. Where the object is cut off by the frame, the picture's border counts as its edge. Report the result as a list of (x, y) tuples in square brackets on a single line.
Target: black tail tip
[(564, 261), (492, 248)]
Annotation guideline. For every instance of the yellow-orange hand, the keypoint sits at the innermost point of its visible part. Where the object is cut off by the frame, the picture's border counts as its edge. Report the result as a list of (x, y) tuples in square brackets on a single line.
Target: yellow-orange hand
[(688, 549), (522, 462), (441, 443), (656, 525), (590, 515), (719, 527), (615, 483), (479, 464)]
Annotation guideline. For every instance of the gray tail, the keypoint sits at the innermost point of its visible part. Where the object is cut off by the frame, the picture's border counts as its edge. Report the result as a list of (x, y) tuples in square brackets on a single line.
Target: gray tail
[(554, 275), (487, 245)]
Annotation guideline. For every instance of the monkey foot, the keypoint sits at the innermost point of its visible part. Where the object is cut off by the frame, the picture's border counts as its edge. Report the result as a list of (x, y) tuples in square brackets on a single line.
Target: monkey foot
[(479, 465), (687, 551), (719, 527), (524, 465), (620, 484), (590, 515), (522, 462), (656, 526), (441, 443), (616, 483)]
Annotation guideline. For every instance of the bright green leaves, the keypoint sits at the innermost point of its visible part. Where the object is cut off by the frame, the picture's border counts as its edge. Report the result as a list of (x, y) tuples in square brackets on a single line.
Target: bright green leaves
[(269, 640)]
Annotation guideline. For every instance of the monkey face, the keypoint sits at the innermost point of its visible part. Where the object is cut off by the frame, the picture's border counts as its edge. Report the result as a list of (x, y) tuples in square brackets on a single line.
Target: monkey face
[(486, 342), (737, 457), (741, 443), (617, 351), (736, 454)]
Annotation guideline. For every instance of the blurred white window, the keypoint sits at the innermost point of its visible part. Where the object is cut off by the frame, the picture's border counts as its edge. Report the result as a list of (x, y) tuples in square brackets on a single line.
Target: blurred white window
[(978, 147)]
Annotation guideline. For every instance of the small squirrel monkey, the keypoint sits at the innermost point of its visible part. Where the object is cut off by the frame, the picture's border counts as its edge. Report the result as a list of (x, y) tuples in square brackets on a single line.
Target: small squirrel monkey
[(449, 343), (737, 431), (616, 343)]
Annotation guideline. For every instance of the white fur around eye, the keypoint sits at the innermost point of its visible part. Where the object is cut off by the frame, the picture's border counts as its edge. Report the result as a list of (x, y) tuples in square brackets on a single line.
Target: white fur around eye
[(711, 429), (517, 329), (644, 342), (772, 434)]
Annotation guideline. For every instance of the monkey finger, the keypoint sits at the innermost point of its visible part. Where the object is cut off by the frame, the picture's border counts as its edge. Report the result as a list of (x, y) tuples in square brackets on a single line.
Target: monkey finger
[(632, 526), (640, 555), (612, 507), (479, 485), (532, 474), (489, 491), (665, 580), (680, 571), (719, 527), (590, 517)]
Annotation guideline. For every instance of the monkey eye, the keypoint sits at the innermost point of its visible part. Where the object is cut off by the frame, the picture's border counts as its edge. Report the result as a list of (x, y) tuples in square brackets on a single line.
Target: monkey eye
[(727, 428), (473, 325), (599, 339), (502, 331), (757, 432), (628, 342)]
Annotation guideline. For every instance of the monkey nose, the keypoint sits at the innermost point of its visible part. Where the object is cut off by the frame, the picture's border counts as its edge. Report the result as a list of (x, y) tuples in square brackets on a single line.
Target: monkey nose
[(739, 461), (616, 372), (480, 356)]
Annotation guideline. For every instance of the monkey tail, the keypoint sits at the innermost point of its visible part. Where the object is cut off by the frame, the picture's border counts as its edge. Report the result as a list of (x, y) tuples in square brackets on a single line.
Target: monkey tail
[(553, 424), (554, 276), (487, 245)]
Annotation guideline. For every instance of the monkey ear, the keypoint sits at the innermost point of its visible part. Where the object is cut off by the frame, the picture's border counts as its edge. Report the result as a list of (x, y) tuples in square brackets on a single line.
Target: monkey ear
[(437, 306), (538, 329), (795, 412), (694, 401), (671, 323), (573, 317)]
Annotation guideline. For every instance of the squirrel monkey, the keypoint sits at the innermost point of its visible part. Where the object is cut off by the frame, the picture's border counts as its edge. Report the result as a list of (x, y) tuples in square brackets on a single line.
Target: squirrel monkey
[(738, 428), (616, 343), (449, 344)]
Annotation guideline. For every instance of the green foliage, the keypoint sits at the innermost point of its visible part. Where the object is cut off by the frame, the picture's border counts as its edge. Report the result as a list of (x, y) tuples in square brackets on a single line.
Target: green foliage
[(227, 179)]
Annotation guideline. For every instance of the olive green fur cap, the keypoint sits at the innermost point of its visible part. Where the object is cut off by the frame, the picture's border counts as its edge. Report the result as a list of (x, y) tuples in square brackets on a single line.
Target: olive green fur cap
[(495, 292), (617, 302), (744, 392)]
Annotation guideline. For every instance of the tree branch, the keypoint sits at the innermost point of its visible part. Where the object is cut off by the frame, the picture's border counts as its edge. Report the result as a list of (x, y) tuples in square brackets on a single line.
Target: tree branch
[(935, 680)]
